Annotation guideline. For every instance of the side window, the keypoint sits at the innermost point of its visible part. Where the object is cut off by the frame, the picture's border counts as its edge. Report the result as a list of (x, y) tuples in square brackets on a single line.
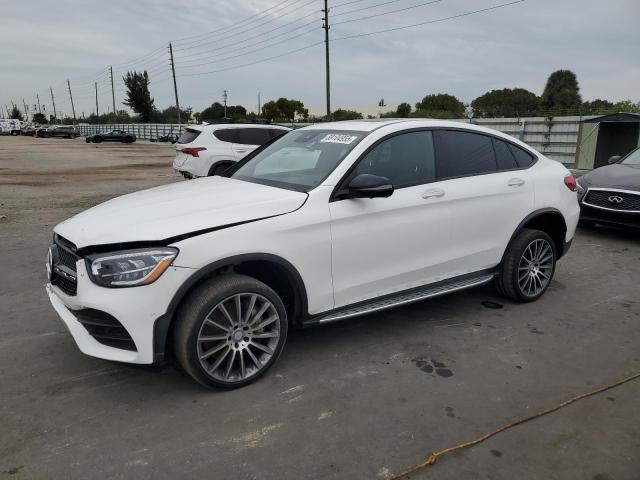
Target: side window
[(523, 158), (504, 157), (406, 159), (463, 153), (253, 136), (227, 135), (276, 132)]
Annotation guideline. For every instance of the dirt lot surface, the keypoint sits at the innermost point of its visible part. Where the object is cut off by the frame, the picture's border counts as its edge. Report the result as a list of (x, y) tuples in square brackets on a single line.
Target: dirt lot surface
[(360, 399)]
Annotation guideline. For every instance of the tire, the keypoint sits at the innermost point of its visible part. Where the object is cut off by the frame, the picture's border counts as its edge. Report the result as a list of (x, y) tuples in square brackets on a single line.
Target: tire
[(97, 139), (199, 336), (218, 168), (88, 140), (519, 278)]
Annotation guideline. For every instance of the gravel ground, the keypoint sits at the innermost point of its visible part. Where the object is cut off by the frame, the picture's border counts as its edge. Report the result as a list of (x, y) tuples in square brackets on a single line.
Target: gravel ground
[(358, 399)]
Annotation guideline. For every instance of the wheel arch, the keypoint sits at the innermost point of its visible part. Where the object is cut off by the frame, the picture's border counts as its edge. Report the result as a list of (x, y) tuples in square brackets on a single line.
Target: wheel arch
[(549, 220), (218, 163), (276, 272)]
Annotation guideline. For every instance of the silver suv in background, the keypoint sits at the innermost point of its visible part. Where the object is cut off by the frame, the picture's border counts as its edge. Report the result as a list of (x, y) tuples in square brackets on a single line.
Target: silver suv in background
[(204, 150)]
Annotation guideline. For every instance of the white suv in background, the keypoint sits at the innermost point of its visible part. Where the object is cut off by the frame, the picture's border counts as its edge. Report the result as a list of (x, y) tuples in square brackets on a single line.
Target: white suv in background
[(204, 150), (328, 222)]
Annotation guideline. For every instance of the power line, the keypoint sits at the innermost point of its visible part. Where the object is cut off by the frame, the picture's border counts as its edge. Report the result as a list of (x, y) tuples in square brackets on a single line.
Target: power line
[(222, 47), (270, 20), (250, 52), (465, 14), (384, 13), (252, 63), (367, 7), (233, 26)]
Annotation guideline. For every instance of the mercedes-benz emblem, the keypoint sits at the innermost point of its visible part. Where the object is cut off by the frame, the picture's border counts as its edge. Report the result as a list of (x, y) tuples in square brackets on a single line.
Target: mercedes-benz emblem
[(615, 199)]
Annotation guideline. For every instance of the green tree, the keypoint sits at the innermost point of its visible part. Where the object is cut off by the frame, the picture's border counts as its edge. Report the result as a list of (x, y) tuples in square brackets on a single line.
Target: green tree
[(627, 106), (508, 102), (403, 110), (16, 114), (284, 109), (215, 113), (597, 106), (341, 114), (138, 95), (170, 115), (562, 93), (39, 118), (441, 105)]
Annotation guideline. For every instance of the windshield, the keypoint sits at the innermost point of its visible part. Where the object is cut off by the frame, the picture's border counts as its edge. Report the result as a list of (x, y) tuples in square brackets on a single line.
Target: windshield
[(299, 160), (633, 158)]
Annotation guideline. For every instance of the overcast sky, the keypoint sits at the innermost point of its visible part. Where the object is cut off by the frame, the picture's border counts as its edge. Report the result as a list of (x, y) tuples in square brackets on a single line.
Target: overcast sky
[(45, 42)]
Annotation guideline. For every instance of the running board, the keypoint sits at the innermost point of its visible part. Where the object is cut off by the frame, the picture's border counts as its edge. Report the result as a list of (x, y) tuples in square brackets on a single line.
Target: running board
[(403, 298)]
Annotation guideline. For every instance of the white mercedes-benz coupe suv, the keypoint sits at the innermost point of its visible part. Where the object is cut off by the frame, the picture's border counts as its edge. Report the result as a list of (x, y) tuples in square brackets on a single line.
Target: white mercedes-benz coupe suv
[(321, 224)]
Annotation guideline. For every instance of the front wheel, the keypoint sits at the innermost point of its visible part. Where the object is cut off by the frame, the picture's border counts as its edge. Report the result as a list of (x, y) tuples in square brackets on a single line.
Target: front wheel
[(97, 139), (528, 266), (230, 331)]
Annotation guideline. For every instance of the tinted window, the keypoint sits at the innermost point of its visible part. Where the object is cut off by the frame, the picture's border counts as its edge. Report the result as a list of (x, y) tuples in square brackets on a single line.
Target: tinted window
[(504, 157), (405, 159), (253, 136), (188, 136), (523, 158), (462, 153), (276, 132), (227, 135)]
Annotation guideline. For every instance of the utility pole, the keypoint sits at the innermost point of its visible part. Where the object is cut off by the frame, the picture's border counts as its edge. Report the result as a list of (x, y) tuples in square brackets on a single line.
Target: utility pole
[(224, 97), (326, 48), (259, 111), (55, 116), (73, 109), (97, 112), (39, 109), (175, 85), (113, 97), (26, 111)]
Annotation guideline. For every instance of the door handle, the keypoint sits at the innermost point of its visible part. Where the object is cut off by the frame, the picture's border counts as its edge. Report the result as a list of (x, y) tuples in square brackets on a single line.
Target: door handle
[(433, 192), (515, 182)]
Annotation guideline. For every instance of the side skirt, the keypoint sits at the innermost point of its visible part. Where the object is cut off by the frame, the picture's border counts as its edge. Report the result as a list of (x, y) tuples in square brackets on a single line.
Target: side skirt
[(403, 298)]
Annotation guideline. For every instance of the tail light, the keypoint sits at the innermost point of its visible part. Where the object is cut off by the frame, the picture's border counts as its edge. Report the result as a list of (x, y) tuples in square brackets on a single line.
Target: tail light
[(193, 151), (570, 182)]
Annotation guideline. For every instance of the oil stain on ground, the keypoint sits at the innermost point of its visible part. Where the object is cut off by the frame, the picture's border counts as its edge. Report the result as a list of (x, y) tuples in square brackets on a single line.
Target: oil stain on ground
[(432, 366)]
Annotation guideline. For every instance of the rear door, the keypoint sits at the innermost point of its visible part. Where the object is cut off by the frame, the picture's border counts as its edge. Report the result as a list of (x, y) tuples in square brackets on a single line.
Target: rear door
[(248, 139), (487, 193)]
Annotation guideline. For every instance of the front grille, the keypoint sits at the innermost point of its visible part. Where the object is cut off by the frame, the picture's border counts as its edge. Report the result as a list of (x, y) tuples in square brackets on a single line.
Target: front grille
[(613, 200), (105, 329), (66, 260)]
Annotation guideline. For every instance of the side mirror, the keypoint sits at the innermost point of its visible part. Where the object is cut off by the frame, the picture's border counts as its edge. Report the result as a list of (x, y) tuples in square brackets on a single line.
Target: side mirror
[(370, 186), (614, 159)]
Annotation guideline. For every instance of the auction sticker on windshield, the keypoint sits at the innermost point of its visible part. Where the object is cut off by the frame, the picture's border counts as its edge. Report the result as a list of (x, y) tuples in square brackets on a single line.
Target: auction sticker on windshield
[(336, 138)]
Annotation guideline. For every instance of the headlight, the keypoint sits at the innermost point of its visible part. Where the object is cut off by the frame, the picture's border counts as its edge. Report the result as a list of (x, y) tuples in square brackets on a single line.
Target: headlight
[(130, 268)]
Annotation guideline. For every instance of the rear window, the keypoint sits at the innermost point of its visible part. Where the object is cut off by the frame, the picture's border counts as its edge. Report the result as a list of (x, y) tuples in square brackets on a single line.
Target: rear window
[(188, 136), (462, 154), (504, 157)]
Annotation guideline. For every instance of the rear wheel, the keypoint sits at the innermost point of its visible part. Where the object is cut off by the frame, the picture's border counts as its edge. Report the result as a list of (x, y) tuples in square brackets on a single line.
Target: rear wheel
[(528, 266), (230, 331)]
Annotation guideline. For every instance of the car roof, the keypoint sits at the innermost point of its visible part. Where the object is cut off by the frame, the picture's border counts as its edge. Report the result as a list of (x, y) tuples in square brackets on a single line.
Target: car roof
[(221, 126)]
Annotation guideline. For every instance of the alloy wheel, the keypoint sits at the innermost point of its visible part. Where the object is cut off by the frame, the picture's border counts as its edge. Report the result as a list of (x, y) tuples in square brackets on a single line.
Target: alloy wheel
[(535, 267), (238, 337)]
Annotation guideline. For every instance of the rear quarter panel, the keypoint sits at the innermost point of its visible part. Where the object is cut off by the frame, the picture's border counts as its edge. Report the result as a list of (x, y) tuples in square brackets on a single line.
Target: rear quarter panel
[(551, 192)]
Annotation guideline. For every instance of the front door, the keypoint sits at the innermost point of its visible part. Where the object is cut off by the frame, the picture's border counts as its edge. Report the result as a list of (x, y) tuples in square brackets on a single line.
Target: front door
[(384, 245)]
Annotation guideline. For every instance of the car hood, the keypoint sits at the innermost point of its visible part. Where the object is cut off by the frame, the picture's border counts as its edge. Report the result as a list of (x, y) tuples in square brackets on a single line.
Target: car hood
[(178, 209), (615, 176)]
